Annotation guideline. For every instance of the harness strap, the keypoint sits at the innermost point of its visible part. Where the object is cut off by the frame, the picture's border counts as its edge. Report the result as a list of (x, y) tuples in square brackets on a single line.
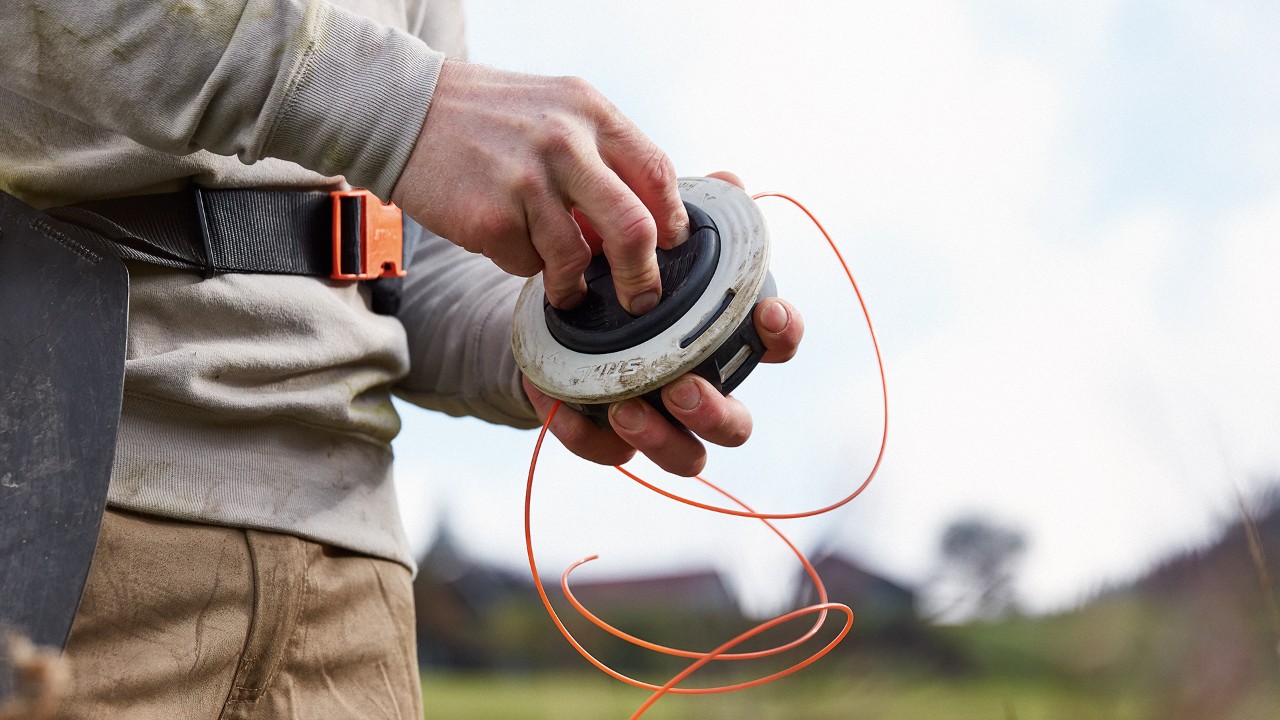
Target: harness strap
[(275, 232)]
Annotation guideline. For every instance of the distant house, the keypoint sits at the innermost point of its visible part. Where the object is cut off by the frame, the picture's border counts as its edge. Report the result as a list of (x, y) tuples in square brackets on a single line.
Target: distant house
[(697, 591), (877, 602), (476, 615)]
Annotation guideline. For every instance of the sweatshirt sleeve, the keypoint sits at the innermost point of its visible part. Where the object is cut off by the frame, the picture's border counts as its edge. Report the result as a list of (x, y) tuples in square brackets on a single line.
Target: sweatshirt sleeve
[(457, 309), (299, 80)]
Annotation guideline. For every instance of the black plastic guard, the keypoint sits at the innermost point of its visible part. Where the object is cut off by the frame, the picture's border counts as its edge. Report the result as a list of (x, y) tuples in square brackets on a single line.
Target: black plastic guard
[(725, 369), (64, 300)]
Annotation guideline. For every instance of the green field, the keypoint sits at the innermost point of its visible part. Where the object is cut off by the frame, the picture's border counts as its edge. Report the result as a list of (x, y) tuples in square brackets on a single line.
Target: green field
[(825, 697), (1197, 638), (1121, 659)]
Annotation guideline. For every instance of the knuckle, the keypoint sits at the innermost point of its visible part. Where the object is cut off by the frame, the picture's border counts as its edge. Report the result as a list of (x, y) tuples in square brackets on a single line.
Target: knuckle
[(588, 102), (687, 466), (612, 456), (557, 134), (565, 254), (578, 90), (559, 290), (527, 180), (658, 170), (637, 278), (630, 237), (494, 223), (637, 231), (724, 426), (574, 436), (585, 440), (737, 436), (568, 259)]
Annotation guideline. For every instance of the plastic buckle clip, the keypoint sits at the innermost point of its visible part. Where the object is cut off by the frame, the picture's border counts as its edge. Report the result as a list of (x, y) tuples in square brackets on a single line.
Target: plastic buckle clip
[(368, 238)]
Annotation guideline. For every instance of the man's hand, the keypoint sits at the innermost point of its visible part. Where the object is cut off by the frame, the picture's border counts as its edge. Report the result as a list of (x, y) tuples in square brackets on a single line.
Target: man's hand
[(707, 414), (713, 417), (503, 162)]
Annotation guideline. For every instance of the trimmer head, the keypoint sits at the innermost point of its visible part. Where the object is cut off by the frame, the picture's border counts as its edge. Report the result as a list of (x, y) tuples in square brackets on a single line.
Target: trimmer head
[(596, 353)]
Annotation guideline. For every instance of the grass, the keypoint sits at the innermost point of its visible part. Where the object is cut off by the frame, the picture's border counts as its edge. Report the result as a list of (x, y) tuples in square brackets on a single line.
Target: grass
[(1118, 659), (821, 696), (1195, 640)]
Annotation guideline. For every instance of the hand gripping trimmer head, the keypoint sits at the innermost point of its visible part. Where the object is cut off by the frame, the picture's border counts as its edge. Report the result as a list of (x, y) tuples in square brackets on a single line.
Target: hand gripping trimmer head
[(597, 353)]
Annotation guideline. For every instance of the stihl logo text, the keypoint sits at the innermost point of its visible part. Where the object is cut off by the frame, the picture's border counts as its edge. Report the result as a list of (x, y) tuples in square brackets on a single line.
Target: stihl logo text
[(620, 368)]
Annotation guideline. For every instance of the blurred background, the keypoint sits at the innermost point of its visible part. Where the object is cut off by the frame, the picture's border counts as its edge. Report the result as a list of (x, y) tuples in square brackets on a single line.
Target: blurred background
[(1064, 218)]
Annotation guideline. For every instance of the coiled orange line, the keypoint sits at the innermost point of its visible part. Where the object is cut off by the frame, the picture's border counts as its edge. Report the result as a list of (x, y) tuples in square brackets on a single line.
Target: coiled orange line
[(821, 608)]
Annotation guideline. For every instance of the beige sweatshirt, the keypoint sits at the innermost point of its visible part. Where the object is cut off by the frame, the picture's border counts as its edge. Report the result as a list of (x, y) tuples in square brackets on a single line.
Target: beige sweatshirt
[(250, 400)]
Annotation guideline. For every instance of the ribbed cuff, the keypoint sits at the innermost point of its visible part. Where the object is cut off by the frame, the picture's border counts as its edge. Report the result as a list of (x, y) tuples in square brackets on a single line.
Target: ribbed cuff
[(358, 101)]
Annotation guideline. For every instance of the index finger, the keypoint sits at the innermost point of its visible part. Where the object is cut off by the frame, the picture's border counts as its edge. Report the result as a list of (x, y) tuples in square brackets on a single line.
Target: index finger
[(647, 170), (627, 231)]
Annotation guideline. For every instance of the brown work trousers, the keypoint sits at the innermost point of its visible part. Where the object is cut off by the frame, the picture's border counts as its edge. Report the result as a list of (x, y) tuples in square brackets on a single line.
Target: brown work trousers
[(188, 621)]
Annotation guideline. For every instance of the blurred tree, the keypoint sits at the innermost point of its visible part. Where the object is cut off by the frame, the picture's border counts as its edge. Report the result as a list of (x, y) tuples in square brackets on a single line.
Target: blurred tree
[(978, 558)]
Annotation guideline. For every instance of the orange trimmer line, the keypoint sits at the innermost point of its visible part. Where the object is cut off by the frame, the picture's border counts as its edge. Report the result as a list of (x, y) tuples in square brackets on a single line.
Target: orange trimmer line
[(809, 569), (884, 393), (670, 686), (702, 658), (722, 652)]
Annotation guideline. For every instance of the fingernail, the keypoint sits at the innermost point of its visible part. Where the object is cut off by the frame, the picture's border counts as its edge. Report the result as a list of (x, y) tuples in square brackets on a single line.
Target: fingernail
[(685, 394), (644, 302), (628, 415), (775, 317)]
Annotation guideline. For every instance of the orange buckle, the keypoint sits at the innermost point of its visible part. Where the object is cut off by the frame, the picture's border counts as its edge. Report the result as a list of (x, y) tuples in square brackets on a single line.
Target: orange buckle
[(377, 248)]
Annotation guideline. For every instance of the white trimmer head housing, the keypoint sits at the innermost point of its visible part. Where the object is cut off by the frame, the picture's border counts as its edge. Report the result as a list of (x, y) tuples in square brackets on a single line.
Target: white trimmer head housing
[(597, 353)]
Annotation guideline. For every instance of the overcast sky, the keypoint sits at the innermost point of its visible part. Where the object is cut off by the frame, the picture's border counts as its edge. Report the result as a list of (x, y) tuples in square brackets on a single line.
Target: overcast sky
[(1064, 217)]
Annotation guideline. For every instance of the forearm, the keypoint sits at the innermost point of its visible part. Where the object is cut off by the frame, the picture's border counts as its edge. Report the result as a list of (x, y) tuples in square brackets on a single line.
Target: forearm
[(300, 81)]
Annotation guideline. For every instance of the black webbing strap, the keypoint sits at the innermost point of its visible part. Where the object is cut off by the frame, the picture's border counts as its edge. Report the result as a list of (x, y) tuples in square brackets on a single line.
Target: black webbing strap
[(217, 231), (231, 231)]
